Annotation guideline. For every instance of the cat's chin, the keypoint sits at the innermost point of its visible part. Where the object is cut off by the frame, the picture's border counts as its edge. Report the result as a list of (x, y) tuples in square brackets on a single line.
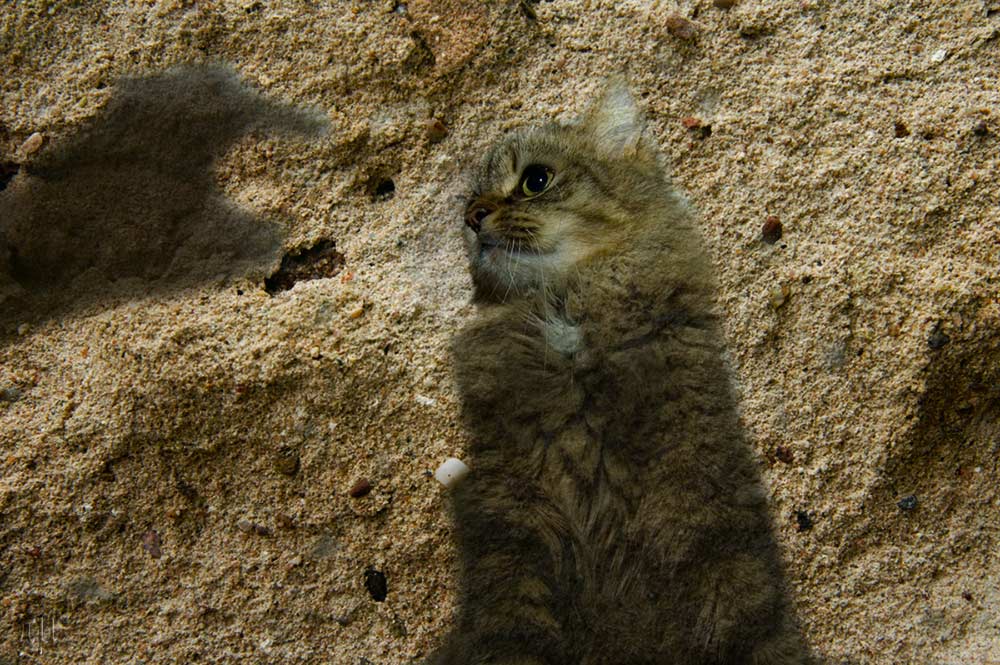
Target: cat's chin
[(502, 273), (515, 262), (499, 277), (494, 286)]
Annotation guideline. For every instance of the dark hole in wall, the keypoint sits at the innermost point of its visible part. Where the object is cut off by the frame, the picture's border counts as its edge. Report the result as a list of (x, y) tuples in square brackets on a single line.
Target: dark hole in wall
[(316, 262), (803, 520), (381, 189), (376, 584), (7, 172)]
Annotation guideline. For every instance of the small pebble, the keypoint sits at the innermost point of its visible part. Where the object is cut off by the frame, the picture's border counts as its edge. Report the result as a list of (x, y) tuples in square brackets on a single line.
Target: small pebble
[(681, 28), (151, 543), (907, 503), (779, 296), (451, 472), (376, 584), (10, 394), (361, 488), (425, 401), (32, 144), (771, 231), (436, 131), (803, 520), (937, 339), (245, 525), (692, 124), (939, 55)]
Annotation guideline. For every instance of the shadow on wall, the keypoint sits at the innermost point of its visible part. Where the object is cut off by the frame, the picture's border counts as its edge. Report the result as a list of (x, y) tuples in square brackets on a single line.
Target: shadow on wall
[(953, 457), (129, 206), (939, 483)]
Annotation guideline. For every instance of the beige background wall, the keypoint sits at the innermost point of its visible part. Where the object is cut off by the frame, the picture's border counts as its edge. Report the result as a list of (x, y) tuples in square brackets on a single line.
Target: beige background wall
[(178, 447)]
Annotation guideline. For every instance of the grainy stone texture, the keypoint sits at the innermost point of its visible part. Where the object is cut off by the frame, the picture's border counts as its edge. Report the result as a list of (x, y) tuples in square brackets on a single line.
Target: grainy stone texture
[(149, 381)]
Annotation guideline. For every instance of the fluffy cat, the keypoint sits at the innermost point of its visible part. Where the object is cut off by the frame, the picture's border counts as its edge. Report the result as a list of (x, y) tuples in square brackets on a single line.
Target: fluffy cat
[(614, 514)]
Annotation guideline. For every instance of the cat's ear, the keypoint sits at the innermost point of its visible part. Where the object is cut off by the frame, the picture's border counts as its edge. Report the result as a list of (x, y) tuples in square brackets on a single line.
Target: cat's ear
[(615, 121)]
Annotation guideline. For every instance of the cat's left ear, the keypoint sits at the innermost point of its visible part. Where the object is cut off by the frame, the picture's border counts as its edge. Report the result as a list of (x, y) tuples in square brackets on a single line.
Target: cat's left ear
[(616, 122)]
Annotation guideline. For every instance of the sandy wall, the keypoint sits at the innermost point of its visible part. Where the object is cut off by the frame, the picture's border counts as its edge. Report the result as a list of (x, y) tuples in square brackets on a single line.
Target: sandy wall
[(230, 265)]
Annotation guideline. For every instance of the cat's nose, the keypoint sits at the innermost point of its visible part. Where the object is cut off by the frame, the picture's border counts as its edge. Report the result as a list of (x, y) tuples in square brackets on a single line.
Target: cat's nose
[(477, 214)]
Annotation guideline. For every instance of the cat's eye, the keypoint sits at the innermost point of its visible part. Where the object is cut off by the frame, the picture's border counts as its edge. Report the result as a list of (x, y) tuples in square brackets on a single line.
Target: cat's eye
[(535, 179)]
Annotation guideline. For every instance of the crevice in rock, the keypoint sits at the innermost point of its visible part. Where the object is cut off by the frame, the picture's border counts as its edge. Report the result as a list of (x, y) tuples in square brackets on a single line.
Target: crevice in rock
[(316, 262), (380, 187)]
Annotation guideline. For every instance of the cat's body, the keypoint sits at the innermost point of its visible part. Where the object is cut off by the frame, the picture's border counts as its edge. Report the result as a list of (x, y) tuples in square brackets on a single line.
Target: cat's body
[(614, 515)]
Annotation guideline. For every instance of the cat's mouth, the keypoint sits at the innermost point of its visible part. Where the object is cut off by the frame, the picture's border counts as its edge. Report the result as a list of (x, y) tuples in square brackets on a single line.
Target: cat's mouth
[(502, 265), (489, 245)]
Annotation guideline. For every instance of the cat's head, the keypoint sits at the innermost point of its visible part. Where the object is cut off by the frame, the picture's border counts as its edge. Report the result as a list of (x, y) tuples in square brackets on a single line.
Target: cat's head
[(548, 199)]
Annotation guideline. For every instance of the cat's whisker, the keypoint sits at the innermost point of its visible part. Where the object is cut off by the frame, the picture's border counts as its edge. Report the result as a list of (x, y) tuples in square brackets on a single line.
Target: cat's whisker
[(510, 271), (516, 259)]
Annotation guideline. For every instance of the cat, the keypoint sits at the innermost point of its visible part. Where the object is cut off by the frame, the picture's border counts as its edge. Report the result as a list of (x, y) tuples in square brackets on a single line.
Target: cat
[(614, 513)]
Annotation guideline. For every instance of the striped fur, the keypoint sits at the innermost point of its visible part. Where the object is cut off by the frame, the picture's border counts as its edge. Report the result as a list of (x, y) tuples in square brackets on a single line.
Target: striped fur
[(614, 514)]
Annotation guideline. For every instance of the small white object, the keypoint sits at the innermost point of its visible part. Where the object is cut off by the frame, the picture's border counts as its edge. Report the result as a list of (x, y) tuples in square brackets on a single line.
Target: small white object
[(939, 55), (451, 472), (424, 400), (562, 335)]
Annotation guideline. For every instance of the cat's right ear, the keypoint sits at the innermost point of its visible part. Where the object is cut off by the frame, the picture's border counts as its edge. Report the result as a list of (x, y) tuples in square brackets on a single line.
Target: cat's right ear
[(615, 121)]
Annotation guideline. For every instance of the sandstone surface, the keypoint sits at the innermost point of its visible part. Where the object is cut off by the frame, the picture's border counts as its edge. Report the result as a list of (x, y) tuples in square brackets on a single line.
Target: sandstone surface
[(230, 266)]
